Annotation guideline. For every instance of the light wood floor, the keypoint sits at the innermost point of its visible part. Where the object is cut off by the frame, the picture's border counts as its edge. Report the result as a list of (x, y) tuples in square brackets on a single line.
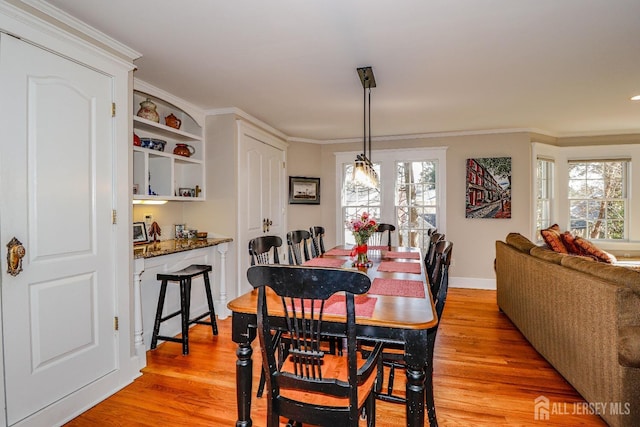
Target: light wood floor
[(486, 374)]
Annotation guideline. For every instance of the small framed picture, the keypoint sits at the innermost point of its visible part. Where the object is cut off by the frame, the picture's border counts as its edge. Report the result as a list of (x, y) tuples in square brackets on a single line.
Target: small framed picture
[(140, 233), (304, 191), (181, 233)]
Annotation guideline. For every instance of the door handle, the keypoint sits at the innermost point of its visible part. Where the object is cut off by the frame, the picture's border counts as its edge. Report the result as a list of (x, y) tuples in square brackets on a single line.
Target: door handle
[(15, 253)]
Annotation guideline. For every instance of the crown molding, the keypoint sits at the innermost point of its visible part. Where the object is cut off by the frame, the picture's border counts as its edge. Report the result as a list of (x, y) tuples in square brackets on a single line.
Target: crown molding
[(240, 113), (83, 28)]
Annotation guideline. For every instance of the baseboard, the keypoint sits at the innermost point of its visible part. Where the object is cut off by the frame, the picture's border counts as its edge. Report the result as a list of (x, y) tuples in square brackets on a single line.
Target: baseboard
[(67, 408), (472, 283)]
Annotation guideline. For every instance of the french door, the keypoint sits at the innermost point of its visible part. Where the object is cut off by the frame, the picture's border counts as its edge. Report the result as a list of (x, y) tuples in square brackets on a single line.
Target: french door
[(410, 194)]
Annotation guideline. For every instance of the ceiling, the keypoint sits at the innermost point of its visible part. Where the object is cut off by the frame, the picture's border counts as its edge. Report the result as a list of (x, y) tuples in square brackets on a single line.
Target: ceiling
[(563, 68)]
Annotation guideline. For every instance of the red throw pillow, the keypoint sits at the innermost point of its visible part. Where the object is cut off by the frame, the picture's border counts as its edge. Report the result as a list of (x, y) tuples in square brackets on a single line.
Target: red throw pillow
[(589, 248), (570, 243), (552, 238)]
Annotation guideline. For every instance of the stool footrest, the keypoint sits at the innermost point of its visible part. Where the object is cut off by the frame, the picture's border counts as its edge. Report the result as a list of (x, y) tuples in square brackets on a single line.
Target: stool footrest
[(166, 338), (169, 316)]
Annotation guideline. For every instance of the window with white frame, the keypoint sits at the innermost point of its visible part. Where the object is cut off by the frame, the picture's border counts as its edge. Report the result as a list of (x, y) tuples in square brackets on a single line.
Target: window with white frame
[(410, 194), (544, 202), (597, 193), (357, 199), (416, 201)]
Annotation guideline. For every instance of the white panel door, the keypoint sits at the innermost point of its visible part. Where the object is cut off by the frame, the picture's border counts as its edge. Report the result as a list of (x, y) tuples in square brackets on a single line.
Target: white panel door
[(261, 195), (56, 183)]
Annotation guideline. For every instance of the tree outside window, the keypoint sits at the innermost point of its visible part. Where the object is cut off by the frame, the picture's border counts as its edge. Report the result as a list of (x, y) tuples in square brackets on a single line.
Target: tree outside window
[(416, 201), (598, 198)]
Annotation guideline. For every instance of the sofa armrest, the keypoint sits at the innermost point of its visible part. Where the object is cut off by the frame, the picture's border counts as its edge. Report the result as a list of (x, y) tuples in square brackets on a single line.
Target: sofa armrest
[(629, 346)]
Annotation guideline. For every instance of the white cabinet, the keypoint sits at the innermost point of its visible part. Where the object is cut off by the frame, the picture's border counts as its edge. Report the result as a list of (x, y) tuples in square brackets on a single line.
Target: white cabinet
[(160, 174)]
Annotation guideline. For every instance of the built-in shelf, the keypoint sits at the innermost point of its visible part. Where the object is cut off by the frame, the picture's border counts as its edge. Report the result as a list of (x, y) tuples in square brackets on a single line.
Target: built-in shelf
[(162, 175)]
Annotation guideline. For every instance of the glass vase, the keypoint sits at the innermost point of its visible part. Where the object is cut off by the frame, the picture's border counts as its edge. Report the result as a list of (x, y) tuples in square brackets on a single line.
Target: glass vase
[(361, 258)]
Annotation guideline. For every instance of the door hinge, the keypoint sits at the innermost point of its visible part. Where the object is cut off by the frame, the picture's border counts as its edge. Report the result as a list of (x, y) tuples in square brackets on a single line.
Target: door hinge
[(116, 324), (113, 109), (114, 216), (284, 165)]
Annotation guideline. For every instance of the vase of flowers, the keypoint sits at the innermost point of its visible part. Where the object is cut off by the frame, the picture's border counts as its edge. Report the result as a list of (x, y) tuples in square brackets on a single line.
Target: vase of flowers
[(362, 228)]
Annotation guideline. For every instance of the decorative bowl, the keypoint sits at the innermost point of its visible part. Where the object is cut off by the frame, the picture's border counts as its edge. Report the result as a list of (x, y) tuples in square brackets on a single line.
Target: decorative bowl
[(201, 234), (146, 143), (158, 144)]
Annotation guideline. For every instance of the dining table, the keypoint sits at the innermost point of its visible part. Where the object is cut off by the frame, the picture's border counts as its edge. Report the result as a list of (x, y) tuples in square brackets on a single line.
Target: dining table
[(398, 309)]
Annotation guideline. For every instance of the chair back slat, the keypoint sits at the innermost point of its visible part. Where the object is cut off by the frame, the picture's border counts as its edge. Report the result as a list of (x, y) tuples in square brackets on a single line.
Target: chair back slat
[(378, 238), (442, 260), (298, 242), (317, 241), (429, 259)]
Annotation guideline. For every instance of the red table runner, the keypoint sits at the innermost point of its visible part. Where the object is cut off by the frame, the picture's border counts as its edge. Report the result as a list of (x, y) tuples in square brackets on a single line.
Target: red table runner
[(336, 305), (338, 252), (397, 288), (325, 262), (405, 255), (400, 267)]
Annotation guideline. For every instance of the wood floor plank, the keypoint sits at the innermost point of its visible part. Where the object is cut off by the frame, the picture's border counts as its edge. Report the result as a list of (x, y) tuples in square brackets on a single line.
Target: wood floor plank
[(485, 374)]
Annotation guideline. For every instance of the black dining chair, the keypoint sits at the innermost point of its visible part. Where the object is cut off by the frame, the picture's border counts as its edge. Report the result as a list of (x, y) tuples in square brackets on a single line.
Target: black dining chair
[(392, 356), (317, 241), (429, 259), (378, 238), (264, 250), (298, 242), (307, 384)]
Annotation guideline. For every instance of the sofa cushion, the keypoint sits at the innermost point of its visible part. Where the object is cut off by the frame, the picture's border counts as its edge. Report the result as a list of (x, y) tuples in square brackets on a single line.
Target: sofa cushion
[(610, 273), (589, 248), (519, 242), (547, 254), (629, 346), (552, 238), (570, 243)]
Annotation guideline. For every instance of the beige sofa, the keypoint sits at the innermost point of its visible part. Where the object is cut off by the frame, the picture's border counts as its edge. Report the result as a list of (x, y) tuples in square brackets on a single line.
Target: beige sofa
[(582, 316)]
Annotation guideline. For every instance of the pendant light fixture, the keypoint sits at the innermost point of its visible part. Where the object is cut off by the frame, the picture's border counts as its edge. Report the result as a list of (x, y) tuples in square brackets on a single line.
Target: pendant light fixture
[(363, 172)]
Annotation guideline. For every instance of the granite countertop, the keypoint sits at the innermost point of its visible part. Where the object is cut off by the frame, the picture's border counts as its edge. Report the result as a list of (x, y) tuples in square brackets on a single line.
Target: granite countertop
[(166, 247)]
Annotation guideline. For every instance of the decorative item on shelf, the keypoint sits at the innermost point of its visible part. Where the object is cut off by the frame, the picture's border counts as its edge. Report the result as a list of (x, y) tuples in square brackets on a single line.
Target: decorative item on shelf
[(172, 121), (185, 150), (362, 228), (202, 234), (180, 231), (148, 111), (140, 233), (136, 140), (158, 144), (187, 192), (192, 234), (198, 191), (154, 231)]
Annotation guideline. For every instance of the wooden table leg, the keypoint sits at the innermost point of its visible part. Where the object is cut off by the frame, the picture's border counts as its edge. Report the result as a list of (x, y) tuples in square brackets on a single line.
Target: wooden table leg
[(244, 374), (243, 334), (415, 396)]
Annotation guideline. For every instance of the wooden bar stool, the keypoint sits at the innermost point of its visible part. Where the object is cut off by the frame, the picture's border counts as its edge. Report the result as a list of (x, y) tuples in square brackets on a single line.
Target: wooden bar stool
[(184, 276)]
